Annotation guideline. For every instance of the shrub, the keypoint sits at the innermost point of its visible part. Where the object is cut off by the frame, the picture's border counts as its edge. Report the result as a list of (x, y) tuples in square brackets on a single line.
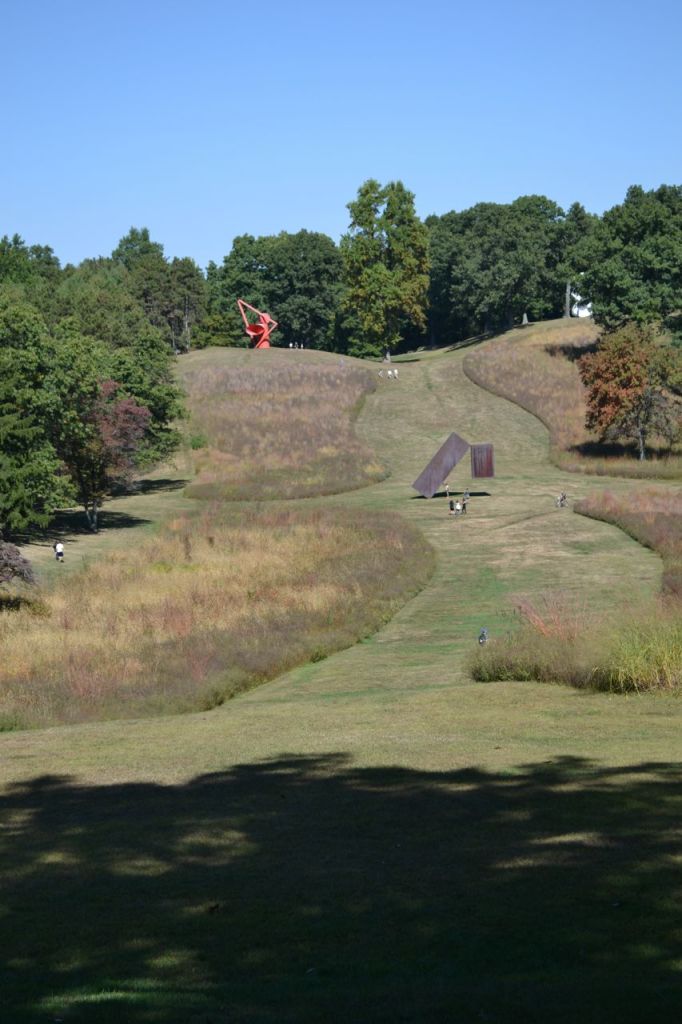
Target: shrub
[(13, 565)]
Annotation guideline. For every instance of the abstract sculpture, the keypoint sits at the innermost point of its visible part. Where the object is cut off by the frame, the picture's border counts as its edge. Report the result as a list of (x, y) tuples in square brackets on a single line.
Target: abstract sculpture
[(260, 330), (447, 457), (445, 460), (482, 461)]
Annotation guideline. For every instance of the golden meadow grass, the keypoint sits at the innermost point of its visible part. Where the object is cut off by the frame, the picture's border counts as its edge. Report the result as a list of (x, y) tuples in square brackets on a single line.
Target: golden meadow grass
[(537, 369), (210, 606), (279, 427), (632, 648)]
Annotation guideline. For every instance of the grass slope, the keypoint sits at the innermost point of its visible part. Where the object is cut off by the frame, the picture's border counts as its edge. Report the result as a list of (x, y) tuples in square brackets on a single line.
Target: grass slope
[(537, 368), (373, 837)]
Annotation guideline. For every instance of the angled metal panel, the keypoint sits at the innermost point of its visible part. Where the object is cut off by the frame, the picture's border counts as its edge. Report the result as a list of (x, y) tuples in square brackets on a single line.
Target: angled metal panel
[(443, 462), (482, 461)]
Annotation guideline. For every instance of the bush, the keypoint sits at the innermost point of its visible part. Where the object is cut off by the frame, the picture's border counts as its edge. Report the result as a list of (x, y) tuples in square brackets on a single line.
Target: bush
[(13, 565)]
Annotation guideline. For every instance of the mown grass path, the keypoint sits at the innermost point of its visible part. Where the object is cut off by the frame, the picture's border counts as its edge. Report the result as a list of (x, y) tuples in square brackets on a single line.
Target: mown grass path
[(374, 837)]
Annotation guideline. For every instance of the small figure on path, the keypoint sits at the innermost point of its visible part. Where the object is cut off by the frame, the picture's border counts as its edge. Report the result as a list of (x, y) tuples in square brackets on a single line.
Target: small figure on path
[(395, 373), (58, 548), (452, 507), (389, 374), (446, 485), (483, 636), (464, 504), (381, 373), (466, 495), (562, 500), (458, 508)]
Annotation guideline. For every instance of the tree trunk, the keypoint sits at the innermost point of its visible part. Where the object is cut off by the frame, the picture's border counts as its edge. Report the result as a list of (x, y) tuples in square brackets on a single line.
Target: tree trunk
[(91, 515), (641, 444), (567, 299)]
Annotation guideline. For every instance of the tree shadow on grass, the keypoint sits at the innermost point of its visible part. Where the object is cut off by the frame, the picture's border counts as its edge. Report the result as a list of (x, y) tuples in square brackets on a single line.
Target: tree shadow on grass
[(453, 494), (157, 486), (72, 522), (302, 889)]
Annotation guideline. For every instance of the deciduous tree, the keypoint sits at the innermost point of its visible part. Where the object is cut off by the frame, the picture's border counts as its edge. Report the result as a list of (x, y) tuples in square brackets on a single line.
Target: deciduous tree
[(386, 268), (633, 258), (627, 387)]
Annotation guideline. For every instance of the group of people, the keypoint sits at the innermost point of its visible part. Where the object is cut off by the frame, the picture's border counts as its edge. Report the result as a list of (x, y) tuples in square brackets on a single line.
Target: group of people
[(457, 507), (296, 344), (391, 374)]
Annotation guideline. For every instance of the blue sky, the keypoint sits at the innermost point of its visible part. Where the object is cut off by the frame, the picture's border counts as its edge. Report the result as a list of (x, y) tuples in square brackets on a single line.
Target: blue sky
[(204, 121)]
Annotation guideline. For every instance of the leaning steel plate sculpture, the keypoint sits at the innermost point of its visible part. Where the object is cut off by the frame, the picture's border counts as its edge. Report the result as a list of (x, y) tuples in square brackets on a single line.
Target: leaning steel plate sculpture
[(442, 463), (447, 457)]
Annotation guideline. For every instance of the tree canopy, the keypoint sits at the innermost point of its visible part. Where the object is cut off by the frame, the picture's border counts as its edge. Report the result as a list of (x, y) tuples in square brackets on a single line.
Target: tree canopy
[(385, 269), (627, 381), (494, 262), (632, 260)]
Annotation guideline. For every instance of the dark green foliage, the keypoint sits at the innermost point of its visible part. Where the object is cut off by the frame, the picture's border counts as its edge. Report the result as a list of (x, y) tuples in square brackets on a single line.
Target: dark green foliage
[(172, 295), (495, 262), (31, 484), (295, 277), (33, 272), (386, 268), (302, 284), (96, 328), (632, 259), (240, 277)]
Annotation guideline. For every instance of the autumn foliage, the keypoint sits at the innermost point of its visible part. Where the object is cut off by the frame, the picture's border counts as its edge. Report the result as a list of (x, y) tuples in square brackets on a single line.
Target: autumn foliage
[(626, 387)]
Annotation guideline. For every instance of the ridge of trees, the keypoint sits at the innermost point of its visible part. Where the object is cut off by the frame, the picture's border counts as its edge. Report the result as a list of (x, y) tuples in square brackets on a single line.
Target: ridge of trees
[(86, 387)]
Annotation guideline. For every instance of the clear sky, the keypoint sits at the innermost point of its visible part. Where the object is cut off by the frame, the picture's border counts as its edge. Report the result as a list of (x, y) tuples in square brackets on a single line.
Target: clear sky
[(205, 120)]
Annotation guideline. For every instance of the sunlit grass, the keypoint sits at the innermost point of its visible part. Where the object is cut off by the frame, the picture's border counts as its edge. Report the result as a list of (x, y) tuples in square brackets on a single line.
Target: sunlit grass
[(277, 424), (637, 647)]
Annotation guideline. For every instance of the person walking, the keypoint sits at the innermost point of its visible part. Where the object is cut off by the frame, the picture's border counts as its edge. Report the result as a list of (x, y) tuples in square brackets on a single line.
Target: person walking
[(58, 551), (464, 503)]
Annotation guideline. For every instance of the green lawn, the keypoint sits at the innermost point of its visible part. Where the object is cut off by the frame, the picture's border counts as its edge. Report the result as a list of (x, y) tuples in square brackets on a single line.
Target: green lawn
[(373, 837)]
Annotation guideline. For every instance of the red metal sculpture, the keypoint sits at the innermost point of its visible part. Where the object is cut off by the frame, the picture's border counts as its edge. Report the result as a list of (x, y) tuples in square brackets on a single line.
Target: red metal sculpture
[(260, 331)]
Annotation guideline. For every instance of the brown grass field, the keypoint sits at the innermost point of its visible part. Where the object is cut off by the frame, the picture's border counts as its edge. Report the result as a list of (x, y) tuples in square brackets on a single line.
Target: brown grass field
[(210, 606), (373, 837), (279, 426)]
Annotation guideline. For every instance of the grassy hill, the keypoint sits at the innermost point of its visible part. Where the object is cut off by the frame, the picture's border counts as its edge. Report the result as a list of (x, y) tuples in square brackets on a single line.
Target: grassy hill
[(374, 836)]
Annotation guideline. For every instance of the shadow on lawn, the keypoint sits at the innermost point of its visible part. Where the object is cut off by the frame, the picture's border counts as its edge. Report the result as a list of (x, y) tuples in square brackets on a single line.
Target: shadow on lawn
[(302, 889)]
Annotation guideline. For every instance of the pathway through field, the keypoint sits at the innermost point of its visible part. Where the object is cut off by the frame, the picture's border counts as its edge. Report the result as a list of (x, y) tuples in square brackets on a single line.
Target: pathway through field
[(380, 838)]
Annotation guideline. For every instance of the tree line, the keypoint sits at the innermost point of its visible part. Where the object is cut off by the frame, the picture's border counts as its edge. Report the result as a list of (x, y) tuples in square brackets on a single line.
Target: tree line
[(87, 394)]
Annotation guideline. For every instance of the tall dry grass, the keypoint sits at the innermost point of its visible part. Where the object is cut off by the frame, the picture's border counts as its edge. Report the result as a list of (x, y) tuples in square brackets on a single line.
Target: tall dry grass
[(278, 428), (537, 369), (210, 606), (653, 516), (632, 648)]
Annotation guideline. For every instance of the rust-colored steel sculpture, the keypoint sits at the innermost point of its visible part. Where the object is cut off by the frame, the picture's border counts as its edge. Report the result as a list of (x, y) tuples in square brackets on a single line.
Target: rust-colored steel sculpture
[(443, 462), (260, 330), (482, 461)]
